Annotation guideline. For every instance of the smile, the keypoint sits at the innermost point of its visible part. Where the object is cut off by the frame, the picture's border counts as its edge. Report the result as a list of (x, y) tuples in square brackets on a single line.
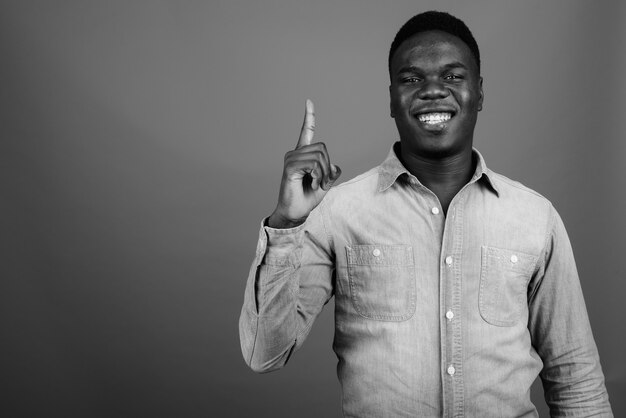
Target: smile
[(434, 118)]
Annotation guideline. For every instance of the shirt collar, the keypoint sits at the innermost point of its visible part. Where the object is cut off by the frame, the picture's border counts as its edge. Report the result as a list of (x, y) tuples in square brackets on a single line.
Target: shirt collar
[(392, 168)]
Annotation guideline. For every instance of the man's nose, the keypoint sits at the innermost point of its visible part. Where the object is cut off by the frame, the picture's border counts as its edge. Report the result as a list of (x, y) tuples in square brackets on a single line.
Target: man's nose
[(433, 89)]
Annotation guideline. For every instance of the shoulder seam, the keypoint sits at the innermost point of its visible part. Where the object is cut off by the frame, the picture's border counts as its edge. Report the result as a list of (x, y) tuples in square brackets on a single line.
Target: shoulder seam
[(548, 233), (360, 177), (323, 213), (519, 185)]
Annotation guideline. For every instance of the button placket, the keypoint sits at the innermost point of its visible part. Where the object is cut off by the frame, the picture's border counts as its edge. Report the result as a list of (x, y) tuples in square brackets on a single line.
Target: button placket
[(452, 307)]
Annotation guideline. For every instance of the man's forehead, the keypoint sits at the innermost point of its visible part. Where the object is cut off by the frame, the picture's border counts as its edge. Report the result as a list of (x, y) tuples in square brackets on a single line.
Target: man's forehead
[(434, 39), (432, 45)]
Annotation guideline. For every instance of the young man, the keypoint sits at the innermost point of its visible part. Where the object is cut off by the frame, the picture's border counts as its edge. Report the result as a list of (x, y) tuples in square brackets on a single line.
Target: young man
[(454, 286)]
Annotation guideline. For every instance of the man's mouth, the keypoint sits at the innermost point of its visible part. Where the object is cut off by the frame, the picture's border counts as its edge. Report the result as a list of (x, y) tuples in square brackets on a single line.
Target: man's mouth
[(434, 118)]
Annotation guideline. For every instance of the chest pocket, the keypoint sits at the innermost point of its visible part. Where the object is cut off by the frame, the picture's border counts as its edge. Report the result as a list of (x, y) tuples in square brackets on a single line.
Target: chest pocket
[(382, 281), (504, 279)]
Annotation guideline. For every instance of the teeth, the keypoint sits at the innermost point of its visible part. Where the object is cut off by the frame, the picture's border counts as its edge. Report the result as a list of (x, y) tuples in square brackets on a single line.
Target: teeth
[(432, 118)]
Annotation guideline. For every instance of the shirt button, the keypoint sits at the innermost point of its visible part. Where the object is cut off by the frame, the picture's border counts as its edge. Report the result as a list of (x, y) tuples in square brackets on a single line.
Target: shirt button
[(376, 252), (435, 211), (450, 315), (451, 370), (449, 260), (514, 258)]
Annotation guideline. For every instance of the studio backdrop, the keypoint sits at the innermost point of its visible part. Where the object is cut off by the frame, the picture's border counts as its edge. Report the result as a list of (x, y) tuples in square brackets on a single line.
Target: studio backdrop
[(142, 142)]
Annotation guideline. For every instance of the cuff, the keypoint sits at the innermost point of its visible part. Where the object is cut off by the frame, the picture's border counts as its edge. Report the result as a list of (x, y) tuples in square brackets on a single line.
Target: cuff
[(277, 246)]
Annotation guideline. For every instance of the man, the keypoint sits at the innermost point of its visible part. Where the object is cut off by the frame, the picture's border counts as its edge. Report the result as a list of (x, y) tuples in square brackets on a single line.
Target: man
[(454, 286)]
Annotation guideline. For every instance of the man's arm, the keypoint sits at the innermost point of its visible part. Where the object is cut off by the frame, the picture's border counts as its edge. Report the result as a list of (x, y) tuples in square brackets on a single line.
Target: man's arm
[(289, 282), (291, 276), (572, 376)]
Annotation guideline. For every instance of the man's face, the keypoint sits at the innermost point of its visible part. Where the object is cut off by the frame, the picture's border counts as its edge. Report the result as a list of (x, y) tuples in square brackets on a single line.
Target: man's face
[(436, 93)]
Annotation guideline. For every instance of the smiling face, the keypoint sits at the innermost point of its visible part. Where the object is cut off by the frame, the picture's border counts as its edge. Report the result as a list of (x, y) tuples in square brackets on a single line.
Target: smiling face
[(436, 93)]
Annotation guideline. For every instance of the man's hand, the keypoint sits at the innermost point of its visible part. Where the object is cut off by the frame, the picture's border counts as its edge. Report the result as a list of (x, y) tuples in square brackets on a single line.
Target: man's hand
[(307, 176)]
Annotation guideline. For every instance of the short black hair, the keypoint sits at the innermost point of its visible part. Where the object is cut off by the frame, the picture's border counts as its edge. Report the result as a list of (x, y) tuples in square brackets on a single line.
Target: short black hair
[(433, 20)]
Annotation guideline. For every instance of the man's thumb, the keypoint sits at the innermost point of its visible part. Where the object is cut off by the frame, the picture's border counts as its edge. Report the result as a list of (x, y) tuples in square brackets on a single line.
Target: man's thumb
[(335, 172)]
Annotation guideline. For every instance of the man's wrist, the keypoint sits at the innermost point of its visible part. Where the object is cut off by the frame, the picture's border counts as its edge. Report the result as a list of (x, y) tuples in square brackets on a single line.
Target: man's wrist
[(278, 221)]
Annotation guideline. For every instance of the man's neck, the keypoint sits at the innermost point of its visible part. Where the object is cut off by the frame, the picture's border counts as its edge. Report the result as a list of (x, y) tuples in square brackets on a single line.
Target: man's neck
[(445, 177)]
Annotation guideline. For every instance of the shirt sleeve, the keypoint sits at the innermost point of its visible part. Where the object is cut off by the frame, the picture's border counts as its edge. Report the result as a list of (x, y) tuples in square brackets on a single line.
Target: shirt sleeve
[(290, 281), (572, 377)]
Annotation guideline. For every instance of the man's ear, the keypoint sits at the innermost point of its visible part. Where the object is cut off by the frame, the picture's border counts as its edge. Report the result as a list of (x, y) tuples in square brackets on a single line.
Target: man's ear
[(482, 95), (392, 112)]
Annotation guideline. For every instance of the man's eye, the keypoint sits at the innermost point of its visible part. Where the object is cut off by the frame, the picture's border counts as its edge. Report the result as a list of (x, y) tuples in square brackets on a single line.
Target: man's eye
[(453, 77), (411, 80)]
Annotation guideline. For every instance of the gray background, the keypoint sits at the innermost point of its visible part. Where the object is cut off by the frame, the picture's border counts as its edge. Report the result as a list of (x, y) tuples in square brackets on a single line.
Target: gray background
[(141, 143)]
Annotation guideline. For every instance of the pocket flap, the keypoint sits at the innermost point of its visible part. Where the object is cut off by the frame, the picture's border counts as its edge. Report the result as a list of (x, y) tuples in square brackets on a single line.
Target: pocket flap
[(508, 259), (384, 255)]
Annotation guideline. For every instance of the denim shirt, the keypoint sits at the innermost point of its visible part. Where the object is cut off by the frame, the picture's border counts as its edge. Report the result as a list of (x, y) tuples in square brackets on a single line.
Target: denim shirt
[(435, 315)]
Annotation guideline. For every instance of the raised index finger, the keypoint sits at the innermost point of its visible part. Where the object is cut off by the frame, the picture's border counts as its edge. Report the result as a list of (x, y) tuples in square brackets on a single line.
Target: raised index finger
[(308, 126)]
